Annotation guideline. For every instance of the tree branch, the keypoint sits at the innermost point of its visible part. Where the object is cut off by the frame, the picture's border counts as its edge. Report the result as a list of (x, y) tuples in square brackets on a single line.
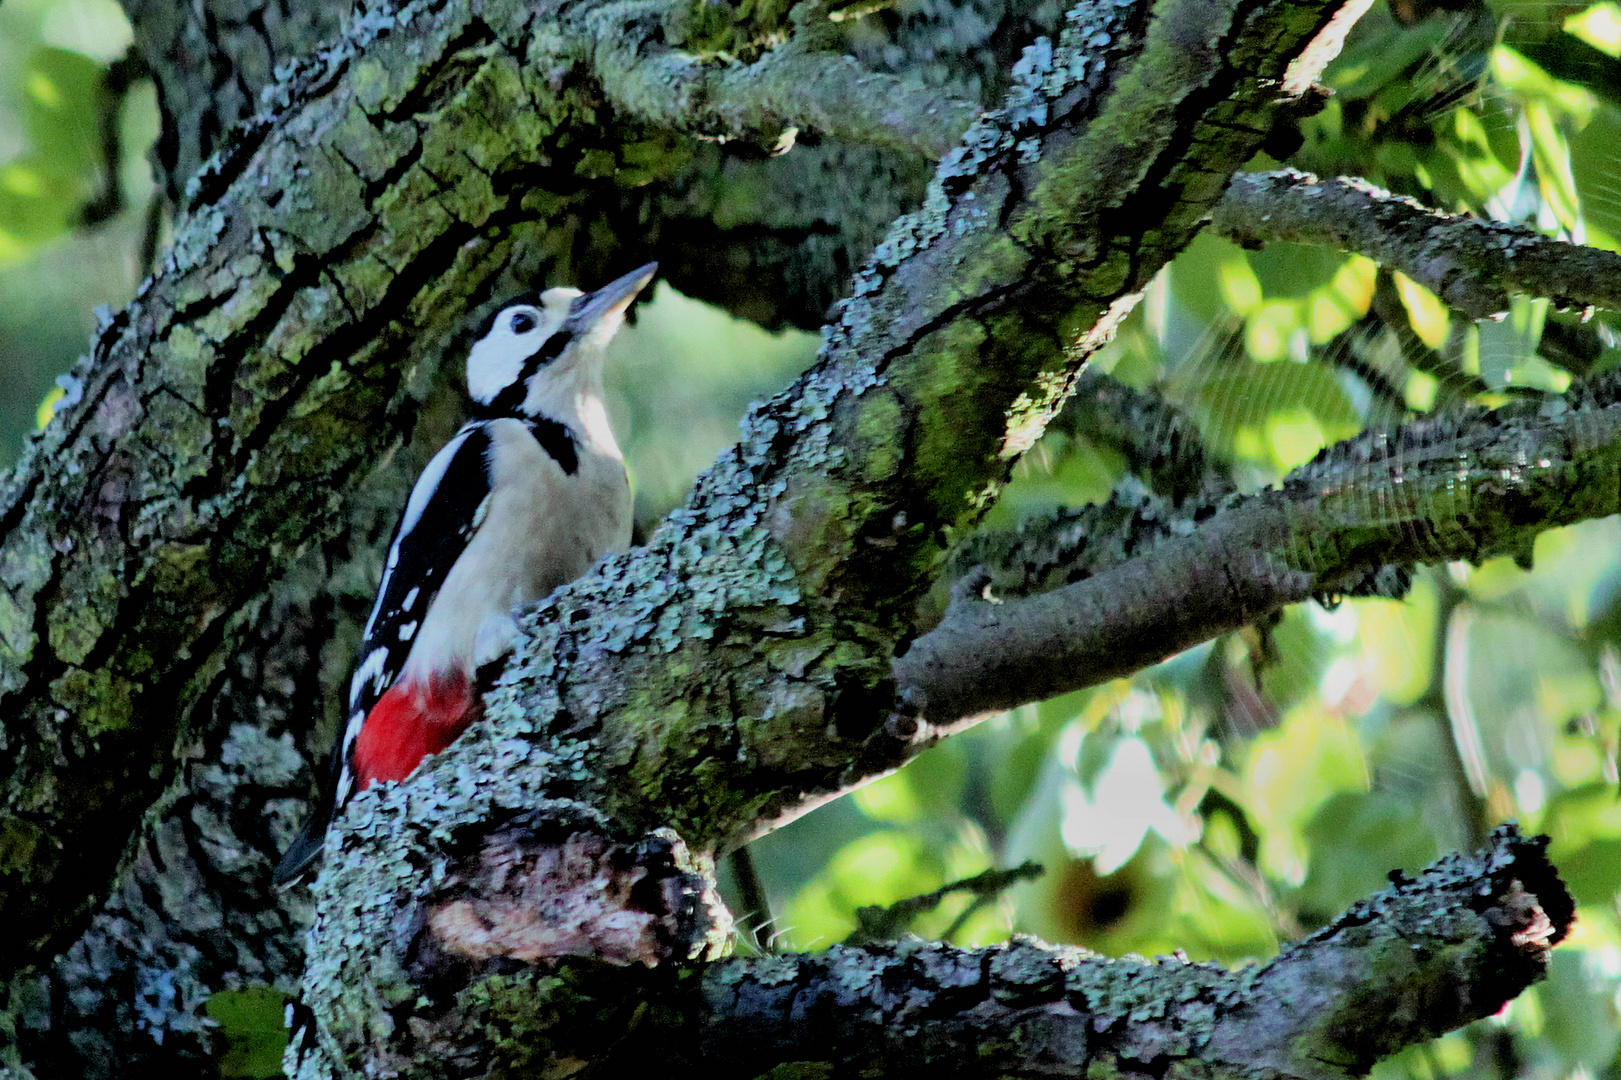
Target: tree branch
[(1421, 958), (1464, 485), (1472, 265), (737, 666), (886, 922), (1424, 956), (790, 87)]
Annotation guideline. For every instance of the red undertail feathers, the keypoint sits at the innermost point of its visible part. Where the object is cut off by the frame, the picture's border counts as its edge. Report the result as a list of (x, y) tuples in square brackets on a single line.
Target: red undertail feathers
[(412, 720)]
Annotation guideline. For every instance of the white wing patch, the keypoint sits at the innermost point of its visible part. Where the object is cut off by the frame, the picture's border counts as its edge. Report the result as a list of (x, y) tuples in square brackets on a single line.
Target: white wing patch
[(373, 670), (427, 486)]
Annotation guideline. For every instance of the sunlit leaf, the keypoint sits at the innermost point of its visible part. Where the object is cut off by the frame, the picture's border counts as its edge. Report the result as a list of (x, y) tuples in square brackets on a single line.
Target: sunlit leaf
[(1599, 26)]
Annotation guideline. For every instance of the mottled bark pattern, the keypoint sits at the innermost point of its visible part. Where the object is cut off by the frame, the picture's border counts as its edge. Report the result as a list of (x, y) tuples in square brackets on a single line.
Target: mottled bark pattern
[(437, 153), (1424, 956)]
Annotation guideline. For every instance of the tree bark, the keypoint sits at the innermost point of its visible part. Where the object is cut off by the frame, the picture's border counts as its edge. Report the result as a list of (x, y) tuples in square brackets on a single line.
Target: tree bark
[(735, 670), (1471, 264), (1427, 955)]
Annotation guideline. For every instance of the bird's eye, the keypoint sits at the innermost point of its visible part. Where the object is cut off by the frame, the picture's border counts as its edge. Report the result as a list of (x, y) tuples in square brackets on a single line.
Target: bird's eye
[(522, 322)]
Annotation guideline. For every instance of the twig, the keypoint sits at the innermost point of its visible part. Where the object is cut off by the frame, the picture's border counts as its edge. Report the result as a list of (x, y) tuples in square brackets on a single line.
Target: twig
[(879, 923), (756, 906)]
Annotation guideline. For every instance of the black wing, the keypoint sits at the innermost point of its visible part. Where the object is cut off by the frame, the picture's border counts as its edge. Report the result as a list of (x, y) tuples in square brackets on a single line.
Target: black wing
[(433, 532), (439, 518)]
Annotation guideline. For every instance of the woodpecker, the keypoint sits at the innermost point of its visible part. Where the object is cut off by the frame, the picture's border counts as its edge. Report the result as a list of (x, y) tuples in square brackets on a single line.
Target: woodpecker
[(526, 497)]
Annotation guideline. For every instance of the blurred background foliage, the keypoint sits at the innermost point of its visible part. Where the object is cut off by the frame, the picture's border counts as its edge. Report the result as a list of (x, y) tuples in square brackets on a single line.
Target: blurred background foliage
[(1236, 796)]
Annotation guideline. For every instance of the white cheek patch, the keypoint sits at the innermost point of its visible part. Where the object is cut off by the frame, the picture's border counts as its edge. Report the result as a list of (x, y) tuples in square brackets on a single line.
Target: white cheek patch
[(496, 361)]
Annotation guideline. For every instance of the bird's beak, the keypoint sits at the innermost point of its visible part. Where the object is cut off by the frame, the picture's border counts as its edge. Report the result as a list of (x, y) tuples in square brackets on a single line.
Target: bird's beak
[(603, 309)]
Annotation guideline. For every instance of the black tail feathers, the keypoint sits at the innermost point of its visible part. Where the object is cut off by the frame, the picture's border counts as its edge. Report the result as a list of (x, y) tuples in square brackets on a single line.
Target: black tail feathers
[(302, 853)]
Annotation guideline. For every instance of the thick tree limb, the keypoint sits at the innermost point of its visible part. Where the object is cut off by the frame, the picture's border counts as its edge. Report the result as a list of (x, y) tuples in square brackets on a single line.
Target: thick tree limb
[(1465, 485), (1423, 957), (461, 59), (1471, 264), (1399, 968), (766, 102)]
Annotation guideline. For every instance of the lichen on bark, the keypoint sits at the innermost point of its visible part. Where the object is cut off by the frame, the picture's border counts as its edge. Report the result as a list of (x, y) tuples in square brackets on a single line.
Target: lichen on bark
[(739, 664)]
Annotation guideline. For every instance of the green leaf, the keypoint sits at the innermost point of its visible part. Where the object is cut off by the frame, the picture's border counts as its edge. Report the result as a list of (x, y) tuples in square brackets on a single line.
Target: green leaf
[(252, 1024), (62, 111)]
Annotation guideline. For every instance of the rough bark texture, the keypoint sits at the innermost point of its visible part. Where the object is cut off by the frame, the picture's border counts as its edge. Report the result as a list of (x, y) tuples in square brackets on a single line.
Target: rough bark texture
[(1471, 264), (1424, 956), (434, 154)]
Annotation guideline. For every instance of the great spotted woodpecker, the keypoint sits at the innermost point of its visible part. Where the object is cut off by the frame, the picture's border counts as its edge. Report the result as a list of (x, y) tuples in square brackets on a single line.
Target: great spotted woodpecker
[(525, 498)]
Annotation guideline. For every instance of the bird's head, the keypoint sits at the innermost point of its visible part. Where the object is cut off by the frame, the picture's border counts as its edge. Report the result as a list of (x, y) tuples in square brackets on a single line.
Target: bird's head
[(540, 348)]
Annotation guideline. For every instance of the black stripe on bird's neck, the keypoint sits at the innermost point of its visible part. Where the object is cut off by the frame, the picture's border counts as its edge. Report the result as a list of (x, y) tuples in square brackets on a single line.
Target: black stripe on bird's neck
[(557, 440)]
